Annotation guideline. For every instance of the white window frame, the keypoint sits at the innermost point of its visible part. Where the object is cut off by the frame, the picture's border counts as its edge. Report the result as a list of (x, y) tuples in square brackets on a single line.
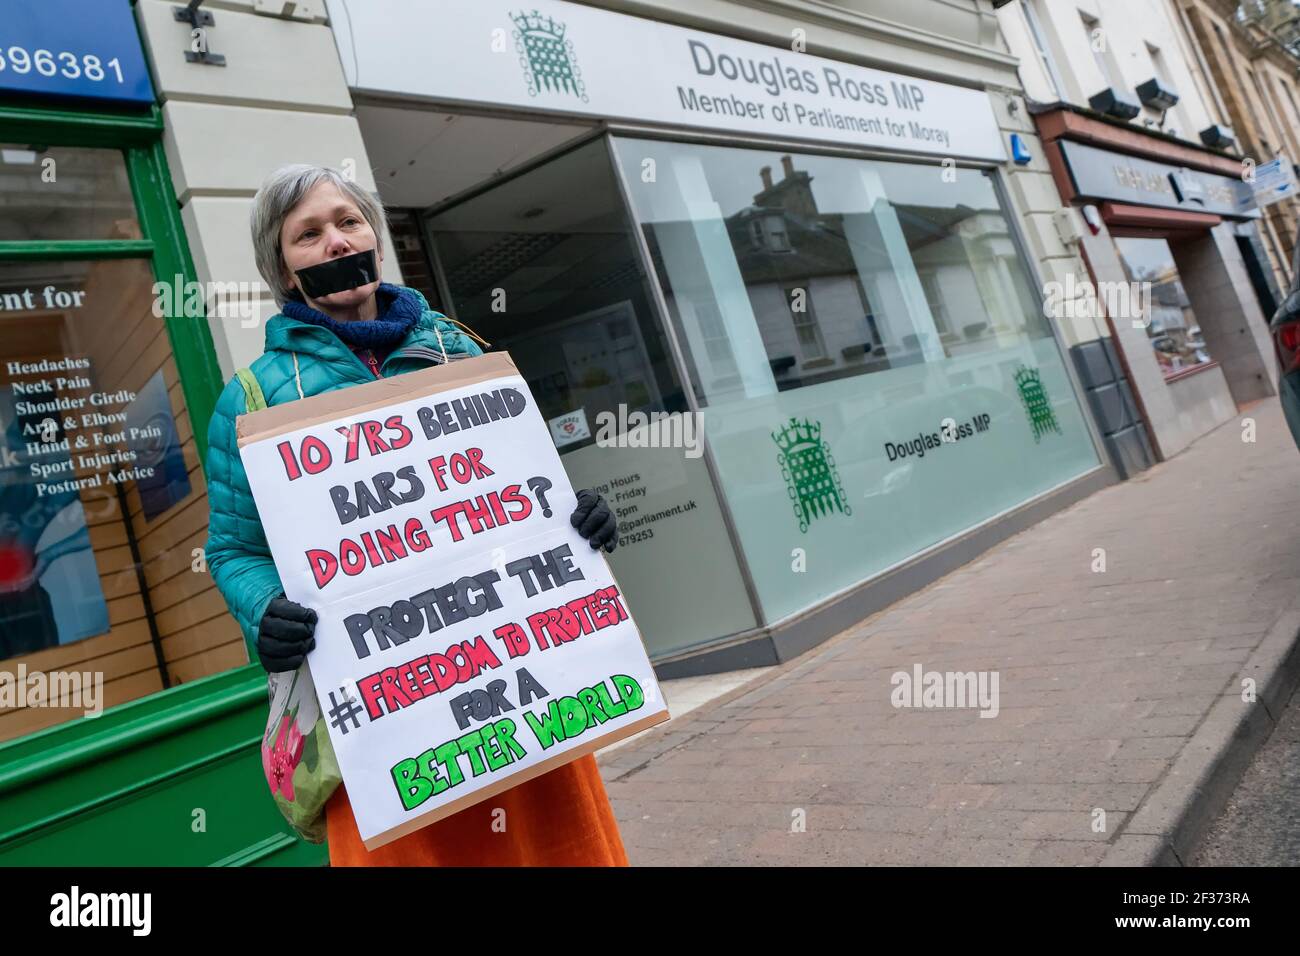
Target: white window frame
[(807, 325), (1044, 52)]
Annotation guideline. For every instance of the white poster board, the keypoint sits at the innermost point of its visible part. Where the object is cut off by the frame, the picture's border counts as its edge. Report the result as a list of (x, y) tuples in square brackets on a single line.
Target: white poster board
[(468, 637)]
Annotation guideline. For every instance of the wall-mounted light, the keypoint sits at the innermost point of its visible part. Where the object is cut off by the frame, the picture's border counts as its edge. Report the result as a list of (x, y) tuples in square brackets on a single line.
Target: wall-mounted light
[(1218, 136), (1113, 103), (1156, 96)]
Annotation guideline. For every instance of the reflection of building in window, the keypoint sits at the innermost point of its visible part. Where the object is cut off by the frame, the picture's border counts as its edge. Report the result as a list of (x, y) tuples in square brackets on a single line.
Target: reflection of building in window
[(1171, 324), (875, 341), (783, 242), (799, 298), (769, 233), (864, 321), (88, 198), (868, 316), (714, 335), (934, 299), (778, 240)]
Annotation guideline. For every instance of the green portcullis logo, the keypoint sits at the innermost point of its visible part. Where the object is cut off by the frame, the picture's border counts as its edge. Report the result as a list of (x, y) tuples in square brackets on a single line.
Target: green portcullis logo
[(547, 57), (809, 472), (1037, 405)]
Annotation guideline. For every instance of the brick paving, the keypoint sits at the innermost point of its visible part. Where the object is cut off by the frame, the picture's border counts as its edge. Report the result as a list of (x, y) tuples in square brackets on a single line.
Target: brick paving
[(1103, 677)]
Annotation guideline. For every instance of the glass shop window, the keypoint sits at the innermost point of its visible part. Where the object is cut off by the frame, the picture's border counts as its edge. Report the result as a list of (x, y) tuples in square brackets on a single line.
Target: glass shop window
[(1172, 327), (103, 510), (64, 192), (913, 390), (544, 266)]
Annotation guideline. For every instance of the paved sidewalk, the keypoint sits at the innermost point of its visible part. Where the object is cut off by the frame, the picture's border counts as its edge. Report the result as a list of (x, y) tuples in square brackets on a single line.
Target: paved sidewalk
[(685, 694), (1104, 678)]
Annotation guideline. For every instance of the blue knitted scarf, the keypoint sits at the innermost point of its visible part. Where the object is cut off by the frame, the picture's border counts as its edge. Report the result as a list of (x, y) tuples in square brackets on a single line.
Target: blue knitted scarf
[(399, 310)]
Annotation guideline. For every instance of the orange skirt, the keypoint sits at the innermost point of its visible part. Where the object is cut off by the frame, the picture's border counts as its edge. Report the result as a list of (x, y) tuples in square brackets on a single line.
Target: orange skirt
[(562, 818)]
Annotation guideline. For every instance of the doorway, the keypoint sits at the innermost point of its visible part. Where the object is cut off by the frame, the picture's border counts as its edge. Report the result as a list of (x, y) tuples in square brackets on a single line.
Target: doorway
[(545, 265)]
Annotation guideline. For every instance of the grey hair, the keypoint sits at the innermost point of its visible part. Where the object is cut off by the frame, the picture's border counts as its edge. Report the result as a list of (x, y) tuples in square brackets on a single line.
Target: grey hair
[(280, 193)]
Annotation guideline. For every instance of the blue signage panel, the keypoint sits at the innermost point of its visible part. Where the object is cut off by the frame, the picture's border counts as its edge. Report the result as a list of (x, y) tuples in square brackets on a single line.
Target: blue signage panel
[(84, 48)]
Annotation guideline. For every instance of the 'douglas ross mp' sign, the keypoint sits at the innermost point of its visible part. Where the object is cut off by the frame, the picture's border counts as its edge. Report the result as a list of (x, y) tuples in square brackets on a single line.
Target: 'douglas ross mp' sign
[(554, 56)]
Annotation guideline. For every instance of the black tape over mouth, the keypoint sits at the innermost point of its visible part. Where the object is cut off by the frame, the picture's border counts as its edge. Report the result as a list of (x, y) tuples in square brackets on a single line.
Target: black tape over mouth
[(338, 275)]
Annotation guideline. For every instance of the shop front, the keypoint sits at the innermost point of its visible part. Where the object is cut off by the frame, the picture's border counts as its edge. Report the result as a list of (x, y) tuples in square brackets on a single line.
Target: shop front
[(129, 717), (776, 306), (1172, 243)]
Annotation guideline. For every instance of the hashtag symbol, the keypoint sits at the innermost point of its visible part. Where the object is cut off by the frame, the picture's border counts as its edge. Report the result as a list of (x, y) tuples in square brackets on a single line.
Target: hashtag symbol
[(342, 712)]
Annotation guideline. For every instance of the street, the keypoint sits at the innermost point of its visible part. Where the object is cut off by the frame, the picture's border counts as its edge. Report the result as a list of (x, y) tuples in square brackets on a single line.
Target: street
[(1261, 824)]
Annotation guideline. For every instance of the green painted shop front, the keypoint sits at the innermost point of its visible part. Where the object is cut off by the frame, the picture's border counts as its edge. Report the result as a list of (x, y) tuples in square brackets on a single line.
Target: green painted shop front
[(171, 776)]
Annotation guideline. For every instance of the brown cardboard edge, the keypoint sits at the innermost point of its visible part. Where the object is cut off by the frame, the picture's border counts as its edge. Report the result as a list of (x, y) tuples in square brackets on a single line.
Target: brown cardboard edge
[(356, 399), (514, 780)]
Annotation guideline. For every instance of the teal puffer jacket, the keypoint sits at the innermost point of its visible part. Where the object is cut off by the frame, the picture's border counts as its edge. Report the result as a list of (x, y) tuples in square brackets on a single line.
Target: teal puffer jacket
[(237, 554)]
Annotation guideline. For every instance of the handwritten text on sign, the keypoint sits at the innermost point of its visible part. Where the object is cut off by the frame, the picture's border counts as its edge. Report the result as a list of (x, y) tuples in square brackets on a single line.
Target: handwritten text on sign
[(468, 637)]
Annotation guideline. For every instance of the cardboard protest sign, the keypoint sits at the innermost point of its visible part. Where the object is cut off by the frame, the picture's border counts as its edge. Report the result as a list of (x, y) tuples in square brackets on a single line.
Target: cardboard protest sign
[(468, 637)]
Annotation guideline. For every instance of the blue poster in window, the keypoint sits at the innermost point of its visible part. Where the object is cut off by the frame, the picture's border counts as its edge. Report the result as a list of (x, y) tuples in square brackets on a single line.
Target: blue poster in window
[(82, 48), (151, 428), (50, 591)]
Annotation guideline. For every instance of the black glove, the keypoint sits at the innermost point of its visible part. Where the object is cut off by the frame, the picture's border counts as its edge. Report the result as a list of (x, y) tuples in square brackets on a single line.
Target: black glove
[(286, 634), (595, 521)]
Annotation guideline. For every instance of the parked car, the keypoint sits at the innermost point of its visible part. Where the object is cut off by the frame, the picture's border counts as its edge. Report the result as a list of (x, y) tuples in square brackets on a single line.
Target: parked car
[(1285, 330)]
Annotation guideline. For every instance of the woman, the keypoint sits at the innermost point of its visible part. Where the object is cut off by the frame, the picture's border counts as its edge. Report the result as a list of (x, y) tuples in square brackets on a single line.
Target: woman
[(316, 238)]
